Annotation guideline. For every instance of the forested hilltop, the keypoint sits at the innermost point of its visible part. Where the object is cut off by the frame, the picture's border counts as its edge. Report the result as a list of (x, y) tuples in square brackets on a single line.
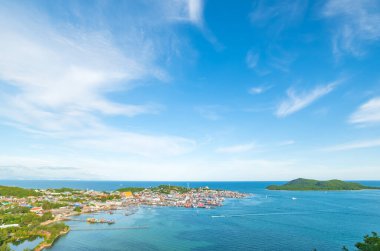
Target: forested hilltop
[(316, 185), (17, 192)]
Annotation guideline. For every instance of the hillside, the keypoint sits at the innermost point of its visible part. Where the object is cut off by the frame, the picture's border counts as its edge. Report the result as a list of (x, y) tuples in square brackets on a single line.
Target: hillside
[(166, 189), (17, 192), (309, 184)]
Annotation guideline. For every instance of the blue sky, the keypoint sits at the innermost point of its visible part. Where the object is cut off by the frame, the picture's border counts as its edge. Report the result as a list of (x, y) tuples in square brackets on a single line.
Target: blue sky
[(189, 90)]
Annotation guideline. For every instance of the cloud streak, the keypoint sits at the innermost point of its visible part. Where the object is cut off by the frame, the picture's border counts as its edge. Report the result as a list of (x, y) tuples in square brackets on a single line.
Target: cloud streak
[(357, 25), (236, 148), (56, 82), (259, 89), (298, 101), (354, 145), (368, 113)]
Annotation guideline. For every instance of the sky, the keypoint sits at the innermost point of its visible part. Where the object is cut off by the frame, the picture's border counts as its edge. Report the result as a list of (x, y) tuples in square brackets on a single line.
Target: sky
[(190, 90)]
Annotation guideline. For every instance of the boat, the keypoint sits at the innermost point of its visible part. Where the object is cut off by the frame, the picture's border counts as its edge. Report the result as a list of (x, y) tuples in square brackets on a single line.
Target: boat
[(102, 220), (294, 198)]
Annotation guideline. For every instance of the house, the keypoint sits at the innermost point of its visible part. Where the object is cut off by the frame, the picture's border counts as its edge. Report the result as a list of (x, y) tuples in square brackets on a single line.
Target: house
[(37, 210)]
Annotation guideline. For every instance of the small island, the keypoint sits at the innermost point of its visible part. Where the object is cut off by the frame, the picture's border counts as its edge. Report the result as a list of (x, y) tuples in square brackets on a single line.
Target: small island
[(301, 184), (27, 214)]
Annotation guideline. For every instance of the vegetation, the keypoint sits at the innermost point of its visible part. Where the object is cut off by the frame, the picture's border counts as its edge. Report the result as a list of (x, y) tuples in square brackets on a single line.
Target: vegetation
[(167, 189), (106, 197), (131, 189), (47, 205), (370, 243), (29, 226), (17, 192), (308, 184), (64, 190)]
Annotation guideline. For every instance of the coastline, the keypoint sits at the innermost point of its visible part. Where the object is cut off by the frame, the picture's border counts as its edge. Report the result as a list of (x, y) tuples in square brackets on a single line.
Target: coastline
[(44, 244)]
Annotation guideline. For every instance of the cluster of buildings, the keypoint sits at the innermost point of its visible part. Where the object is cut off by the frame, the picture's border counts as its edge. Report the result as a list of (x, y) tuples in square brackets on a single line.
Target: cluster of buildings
[(86, 201), (193, 198)]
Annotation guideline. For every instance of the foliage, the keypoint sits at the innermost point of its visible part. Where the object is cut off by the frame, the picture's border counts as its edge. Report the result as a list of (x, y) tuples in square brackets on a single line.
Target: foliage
[(5, 247), (131, 189), (54, 230), (25, 219), (106, 197), (47, 205), (308, 184), (15, 210), (17, 192), (167, 189), (370, 243), (64, 189)]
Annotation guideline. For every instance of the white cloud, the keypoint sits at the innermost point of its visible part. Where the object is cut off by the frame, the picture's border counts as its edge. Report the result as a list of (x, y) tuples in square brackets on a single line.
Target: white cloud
[(236, 148), (354, 145), (296, 102), (140, 144), (184, 11), (37, 167), (56, 81), (252, 59), (368, 113), (357, 24), (281, 13), (256, 90), (259, 89), (286, 143), (196, 11)]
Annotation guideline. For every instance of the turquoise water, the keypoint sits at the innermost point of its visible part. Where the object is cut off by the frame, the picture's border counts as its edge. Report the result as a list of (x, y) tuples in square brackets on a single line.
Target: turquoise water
[(269, 220), (26, 244)]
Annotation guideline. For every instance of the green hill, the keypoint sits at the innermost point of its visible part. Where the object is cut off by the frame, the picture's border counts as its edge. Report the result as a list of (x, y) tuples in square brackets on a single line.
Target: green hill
[(159, 189), (131, 189), (308, 184), (17, 192)]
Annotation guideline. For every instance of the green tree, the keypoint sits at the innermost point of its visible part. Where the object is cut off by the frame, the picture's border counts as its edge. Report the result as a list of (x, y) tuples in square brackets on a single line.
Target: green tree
[(370, 243)]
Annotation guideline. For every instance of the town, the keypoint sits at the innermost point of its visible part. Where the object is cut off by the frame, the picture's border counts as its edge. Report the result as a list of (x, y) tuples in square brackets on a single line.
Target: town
[(46, 208)]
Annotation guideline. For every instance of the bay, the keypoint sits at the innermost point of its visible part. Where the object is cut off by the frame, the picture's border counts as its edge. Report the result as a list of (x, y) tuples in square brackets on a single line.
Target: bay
[(269, 220)]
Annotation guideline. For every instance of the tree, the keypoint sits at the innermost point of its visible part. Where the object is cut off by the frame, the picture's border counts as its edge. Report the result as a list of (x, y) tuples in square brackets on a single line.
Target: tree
[(370, 243)]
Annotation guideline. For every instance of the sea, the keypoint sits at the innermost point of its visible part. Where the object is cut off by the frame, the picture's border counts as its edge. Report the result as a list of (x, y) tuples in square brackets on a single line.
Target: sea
[(267, 220)]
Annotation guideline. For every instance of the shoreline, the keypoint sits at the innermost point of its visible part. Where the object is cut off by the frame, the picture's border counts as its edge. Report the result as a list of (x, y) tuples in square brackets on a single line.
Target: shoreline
[(44, 245)]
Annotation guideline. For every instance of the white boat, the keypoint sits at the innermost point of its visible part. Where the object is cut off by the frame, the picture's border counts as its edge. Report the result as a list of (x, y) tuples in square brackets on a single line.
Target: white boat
[(294, 198)]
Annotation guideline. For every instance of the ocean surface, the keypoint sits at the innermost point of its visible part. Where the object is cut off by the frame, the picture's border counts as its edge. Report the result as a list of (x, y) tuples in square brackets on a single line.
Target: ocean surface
[(269, 220)]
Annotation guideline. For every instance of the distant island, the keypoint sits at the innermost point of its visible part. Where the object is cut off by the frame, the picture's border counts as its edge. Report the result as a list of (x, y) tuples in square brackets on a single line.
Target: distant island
[(301, 184)]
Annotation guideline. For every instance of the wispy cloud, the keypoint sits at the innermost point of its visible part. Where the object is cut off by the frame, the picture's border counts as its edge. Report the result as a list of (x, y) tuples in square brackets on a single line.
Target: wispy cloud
[(286, 143), (280, 14), (252, 59), (58, 82), (354, 145), (237, 148), (211, 112), (196, 11), (368, 113), (357, 24), (184, 11), (259, 89), (298, 101)]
